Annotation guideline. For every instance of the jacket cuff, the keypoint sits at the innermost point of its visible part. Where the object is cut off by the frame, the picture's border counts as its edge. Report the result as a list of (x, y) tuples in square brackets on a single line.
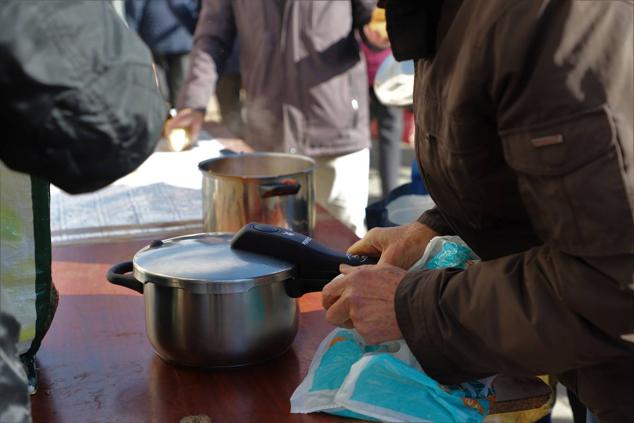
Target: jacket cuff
[(435, 221), (192, 98), (416, 304)]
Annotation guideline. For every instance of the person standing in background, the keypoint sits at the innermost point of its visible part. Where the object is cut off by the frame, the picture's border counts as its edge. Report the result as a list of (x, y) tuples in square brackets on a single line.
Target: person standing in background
[(169, 39), (305, 84), (229, 82), (389, 119)]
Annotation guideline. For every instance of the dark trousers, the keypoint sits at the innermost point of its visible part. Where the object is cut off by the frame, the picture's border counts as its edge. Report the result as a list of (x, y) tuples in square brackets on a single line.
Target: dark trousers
[(172, 69), (390, 125)]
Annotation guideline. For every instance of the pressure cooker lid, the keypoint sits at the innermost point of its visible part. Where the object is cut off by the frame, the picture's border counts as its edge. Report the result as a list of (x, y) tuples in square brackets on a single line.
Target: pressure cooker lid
[(205, 263)]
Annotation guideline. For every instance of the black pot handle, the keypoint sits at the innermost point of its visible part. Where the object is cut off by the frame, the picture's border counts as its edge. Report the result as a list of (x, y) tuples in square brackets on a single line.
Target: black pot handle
[(117, 276), (280, 189), (229, 152), (295, 288), (315, 264)]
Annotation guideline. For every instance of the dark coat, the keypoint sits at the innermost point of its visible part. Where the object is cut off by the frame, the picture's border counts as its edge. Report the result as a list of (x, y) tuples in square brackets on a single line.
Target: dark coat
[(79, 105), (525, 138), (165, 28)]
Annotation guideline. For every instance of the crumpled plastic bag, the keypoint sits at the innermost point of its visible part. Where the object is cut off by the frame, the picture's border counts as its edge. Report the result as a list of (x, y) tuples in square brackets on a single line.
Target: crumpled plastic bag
[(446, 251), (385, 382)]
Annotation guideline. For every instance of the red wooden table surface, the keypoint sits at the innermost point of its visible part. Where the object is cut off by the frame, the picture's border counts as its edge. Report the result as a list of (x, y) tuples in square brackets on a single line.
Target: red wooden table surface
[(96, 364)]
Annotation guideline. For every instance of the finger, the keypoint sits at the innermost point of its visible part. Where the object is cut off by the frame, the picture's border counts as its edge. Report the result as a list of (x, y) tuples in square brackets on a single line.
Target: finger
[(339, 313), (346, 269), (387, 257), (364, 246), (177, 122), (332, 291), (394, 257)]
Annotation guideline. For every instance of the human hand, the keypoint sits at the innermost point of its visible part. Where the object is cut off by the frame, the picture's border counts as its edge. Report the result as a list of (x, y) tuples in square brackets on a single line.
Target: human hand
[(399, 246), (188, 119), (376, 38), (363, 298)]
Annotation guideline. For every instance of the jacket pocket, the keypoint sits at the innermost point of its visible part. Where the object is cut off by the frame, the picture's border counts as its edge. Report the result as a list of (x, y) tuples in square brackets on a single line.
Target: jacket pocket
[(572, 181), (328, 107), (336, 108)]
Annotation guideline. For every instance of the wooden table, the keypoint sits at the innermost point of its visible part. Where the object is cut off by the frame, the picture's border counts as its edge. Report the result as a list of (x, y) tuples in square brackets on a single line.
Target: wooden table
[(96, 364)]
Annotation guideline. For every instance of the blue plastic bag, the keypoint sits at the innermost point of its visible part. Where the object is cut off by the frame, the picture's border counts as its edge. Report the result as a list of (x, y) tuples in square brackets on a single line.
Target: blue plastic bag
[(385, 382), (387, 389), (446, 251)]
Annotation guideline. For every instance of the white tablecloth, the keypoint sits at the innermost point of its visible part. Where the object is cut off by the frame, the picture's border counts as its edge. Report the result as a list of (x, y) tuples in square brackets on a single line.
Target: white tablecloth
[(162, 196)]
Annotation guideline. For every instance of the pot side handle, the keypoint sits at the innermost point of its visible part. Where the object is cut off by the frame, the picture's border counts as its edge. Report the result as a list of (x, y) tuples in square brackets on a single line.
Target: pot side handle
[(277, 190), (117, 276)]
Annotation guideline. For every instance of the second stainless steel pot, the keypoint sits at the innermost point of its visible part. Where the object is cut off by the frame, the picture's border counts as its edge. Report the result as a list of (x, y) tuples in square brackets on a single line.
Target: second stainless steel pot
[(272, 188)]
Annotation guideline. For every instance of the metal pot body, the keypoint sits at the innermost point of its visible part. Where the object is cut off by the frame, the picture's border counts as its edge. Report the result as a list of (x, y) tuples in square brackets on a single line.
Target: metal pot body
[(208, 305), (272, 188), (220, 330)]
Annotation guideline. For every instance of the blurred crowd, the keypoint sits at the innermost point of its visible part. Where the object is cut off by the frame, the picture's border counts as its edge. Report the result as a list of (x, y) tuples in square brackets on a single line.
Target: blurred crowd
[(524, 135), (291, 84)]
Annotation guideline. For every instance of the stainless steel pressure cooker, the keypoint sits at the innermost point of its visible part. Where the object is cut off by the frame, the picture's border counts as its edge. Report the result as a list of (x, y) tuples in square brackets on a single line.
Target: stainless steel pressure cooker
[(221, 300)]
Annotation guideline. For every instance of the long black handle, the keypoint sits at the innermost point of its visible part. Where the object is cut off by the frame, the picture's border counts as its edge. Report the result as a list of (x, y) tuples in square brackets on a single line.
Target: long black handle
[(315, 264), (117, 275), (295, 288)]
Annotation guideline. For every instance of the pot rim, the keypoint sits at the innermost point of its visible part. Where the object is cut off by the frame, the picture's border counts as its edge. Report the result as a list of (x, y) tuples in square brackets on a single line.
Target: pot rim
[(207, 286), (195, 286), (311, 165)]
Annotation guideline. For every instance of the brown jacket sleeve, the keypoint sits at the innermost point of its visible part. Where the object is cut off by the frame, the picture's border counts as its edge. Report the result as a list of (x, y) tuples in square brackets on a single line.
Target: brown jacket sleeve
[(213, 43), (564, 112), (434, 219)]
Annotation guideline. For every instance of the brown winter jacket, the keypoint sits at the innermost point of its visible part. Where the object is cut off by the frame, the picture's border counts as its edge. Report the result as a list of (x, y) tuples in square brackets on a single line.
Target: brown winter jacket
[(304, 78), (525, 138)]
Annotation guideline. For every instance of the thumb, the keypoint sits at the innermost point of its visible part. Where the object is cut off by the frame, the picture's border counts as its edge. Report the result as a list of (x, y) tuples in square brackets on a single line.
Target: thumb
[(364, 247)]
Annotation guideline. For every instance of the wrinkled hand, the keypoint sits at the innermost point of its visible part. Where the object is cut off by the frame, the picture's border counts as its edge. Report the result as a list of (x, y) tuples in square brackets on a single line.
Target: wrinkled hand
[(375, 38), (399, 246), (363, 298), (189, 119)]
